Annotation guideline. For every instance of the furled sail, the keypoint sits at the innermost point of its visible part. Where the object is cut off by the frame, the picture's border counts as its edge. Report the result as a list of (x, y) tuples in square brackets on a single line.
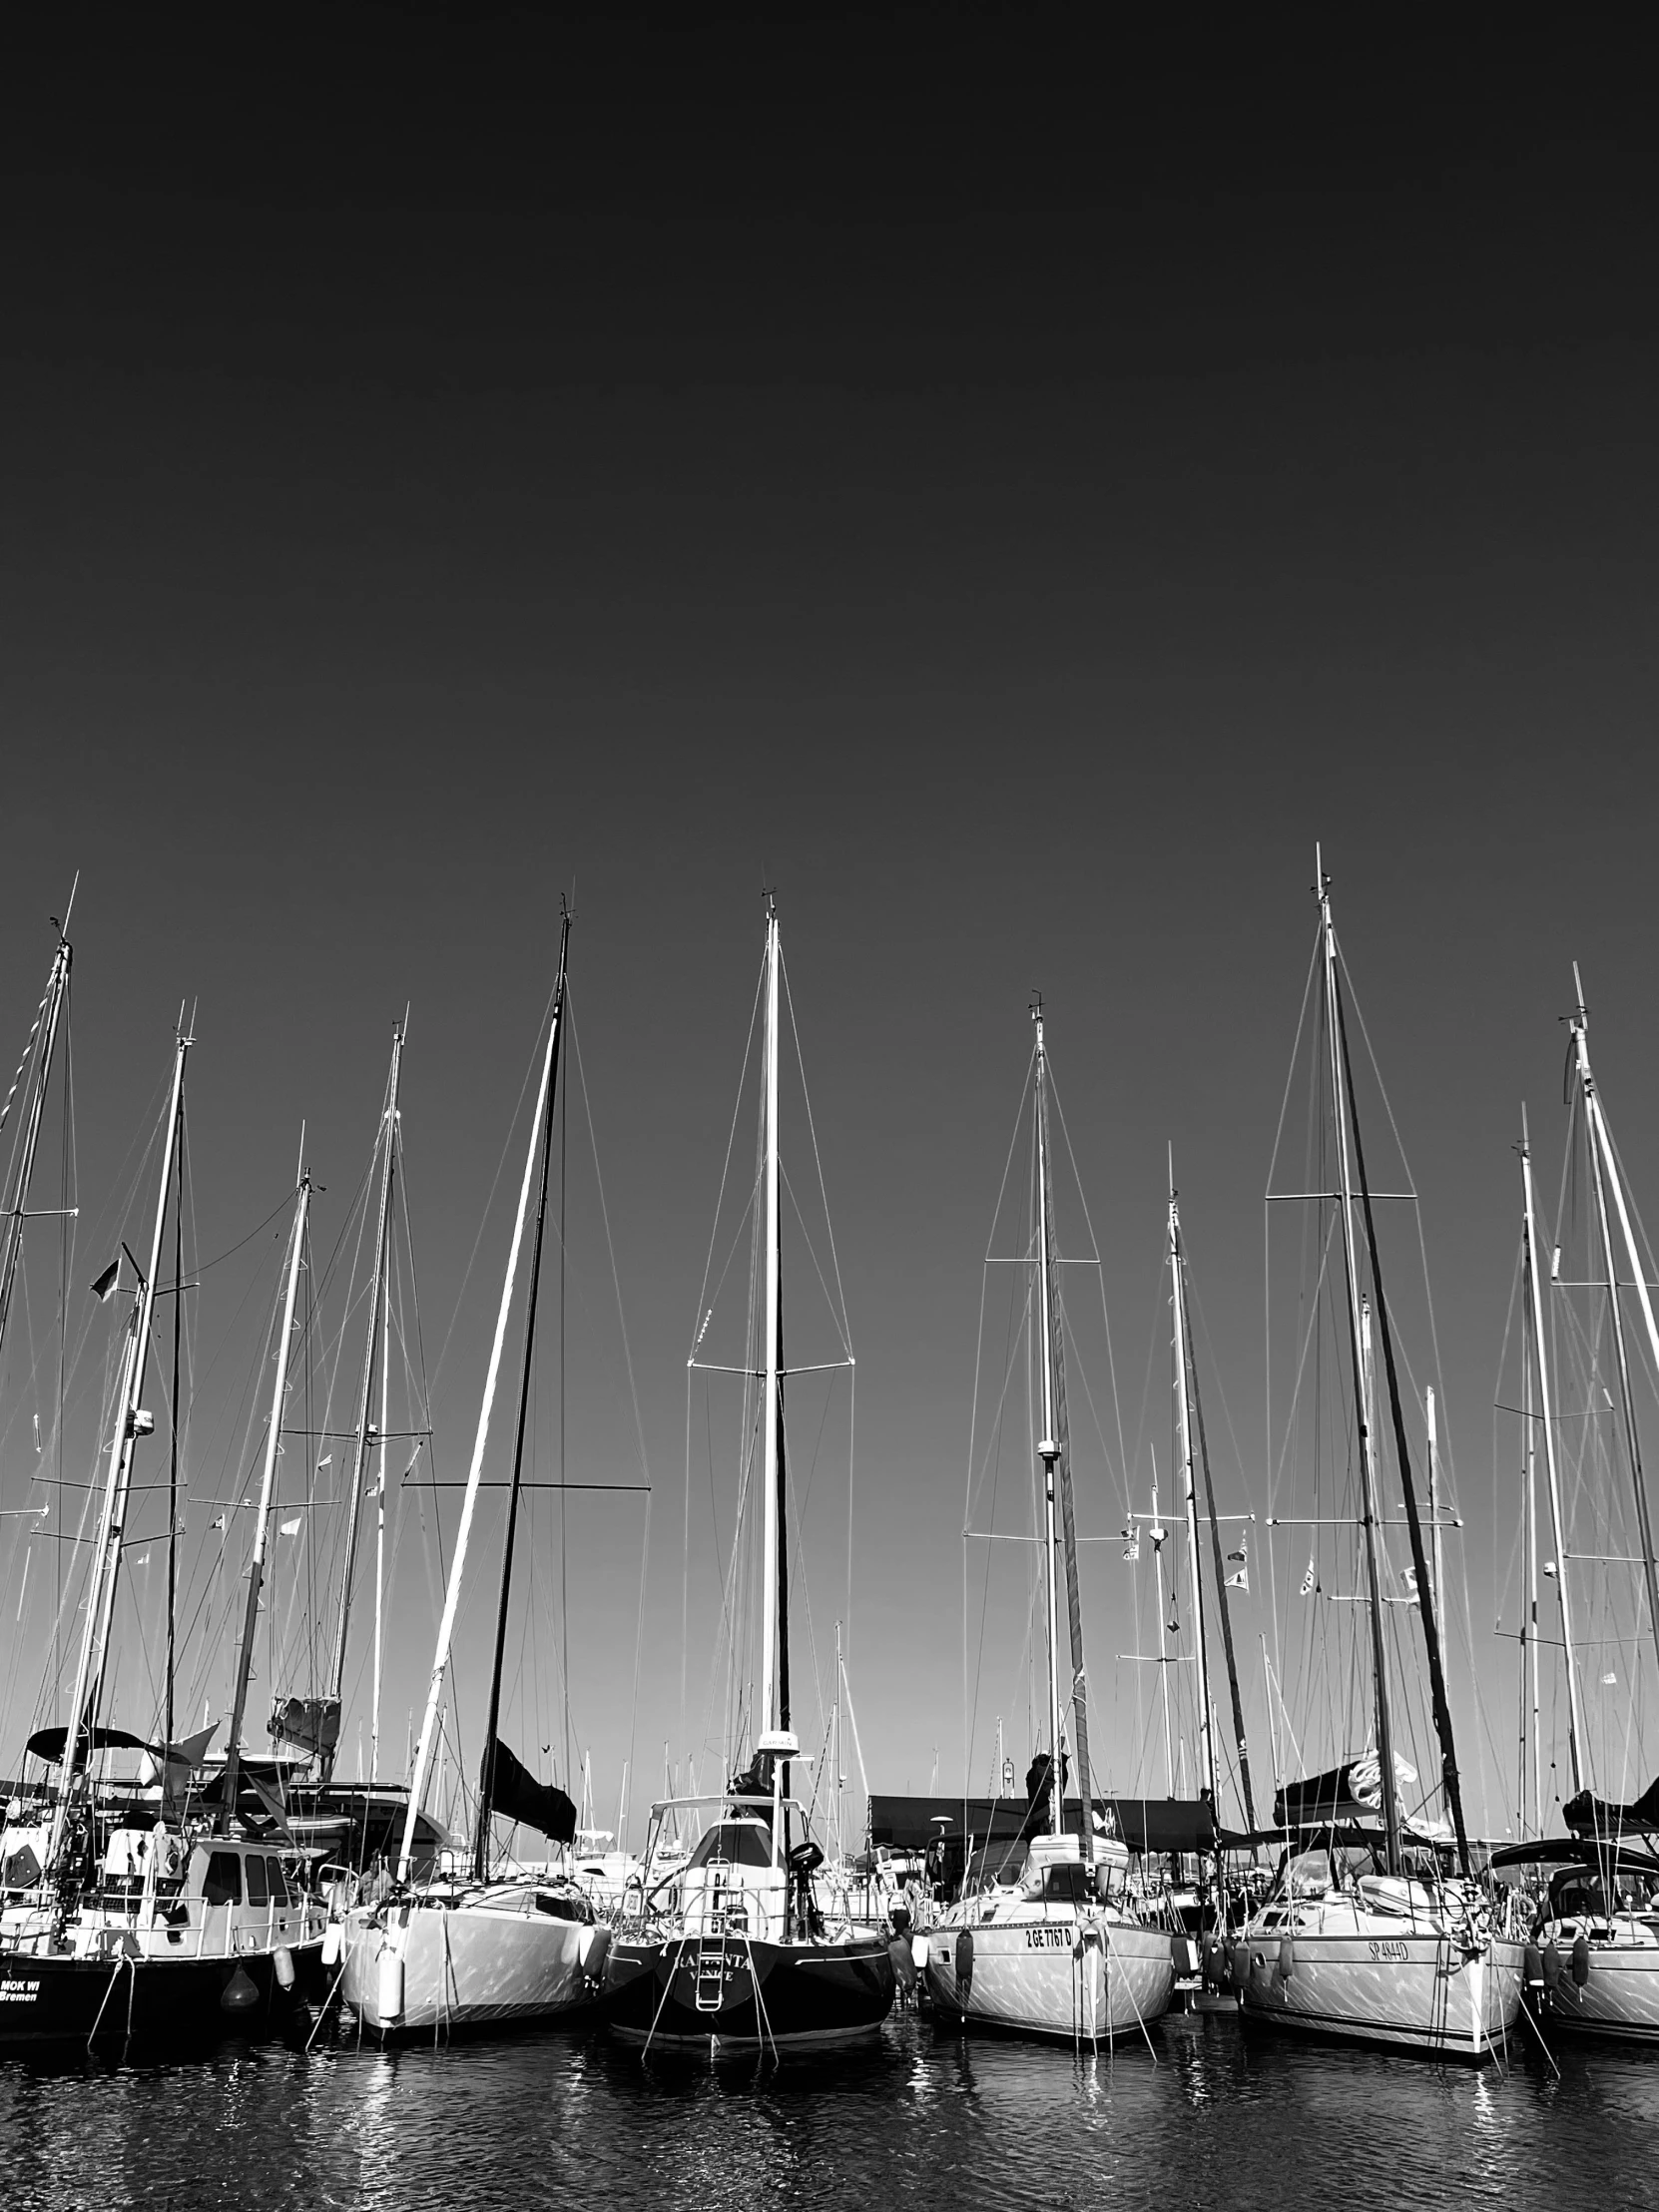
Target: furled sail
[(516, 1795), (1587, 1814), (1343, 1793)]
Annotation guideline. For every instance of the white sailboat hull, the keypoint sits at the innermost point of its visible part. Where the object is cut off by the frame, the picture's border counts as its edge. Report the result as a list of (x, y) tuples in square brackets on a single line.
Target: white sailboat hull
[(1415, 1991), (440, 1968), (1084, 1982), (1620, 1996)]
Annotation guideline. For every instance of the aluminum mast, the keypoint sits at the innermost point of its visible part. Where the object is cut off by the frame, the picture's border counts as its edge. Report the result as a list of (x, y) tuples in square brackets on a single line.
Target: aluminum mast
[(268, 1485), (1535, 1307), (1048, 1449), (1361, 1395), (367, 1434), (106, 1564)]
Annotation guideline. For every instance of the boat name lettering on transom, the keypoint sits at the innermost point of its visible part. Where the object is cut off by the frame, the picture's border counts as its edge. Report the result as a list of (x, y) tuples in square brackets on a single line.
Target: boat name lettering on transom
[(1385, 1950)]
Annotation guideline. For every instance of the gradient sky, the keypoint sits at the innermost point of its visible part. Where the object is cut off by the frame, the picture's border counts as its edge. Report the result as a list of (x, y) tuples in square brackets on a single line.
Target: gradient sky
[(1014, 510)]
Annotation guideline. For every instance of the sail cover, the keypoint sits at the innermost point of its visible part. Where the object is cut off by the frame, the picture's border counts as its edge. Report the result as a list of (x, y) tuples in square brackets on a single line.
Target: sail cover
[(1592, 1816), (518, 1796), (311, 1722)]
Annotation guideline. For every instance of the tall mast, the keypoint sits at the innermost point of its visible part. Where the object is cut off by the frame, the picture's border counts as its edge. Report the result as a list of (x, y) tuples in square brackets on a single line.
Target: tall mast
[(268, 1485), (1439, 1699), (1184, 1430), (365, 1424), (1605, 1169), (173, 1458), (1530, 1725), (452, 1596), (1060, 1430), (1157, 1535), (486, 1773), (1438, 1588), (1222, 1604), (380, 1503), (106, 1562), (773, 1561), (1536, 1308), (1361, 1395), (1048, 1449), (42, 1037)]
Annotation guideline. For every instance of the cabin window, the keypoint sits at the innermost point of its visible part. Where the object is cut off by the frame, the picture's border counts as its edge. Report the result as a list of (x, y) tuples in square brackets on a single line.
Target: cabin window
[(279, 1883), (221, 1884), (257, 1894), (1068, 1885), (743, 1843)]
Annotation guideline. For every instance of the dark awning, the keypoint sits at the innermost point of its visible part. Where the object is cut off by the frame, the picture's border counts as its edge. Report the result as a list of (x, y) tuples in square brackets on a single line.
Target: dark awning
[(912, 1823), (1163, 1824)]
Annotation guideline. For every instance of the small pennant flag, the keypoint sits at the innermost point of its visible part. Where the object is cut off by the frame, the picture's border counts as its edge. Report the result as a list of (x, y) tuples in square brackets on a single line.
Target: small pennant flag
[(326, 1460), (1237, 1558), (1307, 1580), (218, 1523), (1408, 1576), (289, 1527), (105, 1282), (1609, 1680), (1239, 1581), (143, 1559)]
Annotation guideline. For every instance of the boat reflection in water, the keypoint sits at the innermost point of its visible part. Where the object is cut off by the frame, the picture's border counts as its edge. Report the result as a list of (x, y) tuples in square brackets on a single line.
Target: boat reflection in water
[(730, 1951)]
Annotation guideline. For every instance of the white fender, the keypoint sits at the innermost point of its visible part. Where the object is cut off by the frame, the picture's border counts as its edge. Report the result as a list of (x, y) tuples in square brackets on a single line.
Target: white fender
[(389, 1987)]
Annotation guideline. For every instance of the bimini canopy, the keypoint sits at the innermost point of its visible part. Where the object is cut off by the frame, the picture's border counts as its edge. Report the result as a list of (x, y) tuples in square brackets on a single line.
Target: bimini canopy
[(48, 1743)]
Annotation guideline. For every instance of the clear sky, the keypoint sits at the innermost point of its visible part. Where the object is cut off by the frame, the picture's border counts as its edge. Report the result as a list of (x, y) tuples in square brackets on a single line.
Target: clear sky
[(1011, 501)]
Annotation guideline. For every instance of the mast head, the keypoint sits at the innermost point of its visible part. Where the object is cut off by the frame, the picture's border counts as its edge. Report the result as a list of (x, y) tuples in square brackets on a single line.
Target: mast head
[(1322, 884), (1038, 1018), (1578, 1026)]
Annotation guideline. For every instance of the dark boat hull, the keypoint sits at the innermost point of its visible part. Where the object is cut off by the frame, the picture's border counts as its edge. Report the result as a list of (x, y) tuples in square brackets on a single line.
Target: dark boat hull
[(148, 2000), (706, 1994)]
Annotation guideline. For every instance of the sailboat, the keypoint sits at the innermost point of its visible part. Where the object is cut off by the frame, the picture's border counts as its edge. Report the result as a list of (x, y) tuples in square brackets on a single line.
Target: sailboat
[(727, 1949), (1593, 1952), (1369, 1933), (446, 1955), (1044, 1938), (117, 1920)]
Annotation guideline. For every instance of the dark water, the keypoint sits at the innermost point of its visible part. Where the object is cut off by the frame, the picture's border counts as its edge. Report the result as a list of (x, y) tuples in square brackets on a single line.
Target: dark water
[(1223, 2119)]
